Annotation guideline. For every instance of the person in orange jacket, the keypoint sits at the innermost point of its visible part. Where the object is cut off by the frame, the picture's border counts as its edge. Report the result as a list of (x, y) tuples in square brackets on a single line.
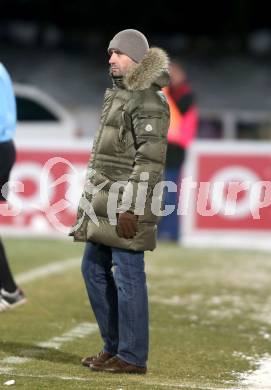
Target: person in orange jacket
[(182, 131)]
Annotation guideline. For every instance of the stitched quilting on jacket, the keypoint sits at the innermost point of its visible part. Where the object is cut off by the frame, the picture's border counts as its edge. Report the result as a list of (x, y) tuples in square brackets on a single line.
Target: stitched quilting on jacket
[(129, 149)]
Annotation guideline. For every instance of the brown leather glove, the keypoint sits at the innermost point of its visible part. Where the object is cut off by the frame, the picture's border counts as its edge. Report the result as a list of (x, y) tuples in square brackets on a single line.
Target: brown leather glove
[(127, 225)]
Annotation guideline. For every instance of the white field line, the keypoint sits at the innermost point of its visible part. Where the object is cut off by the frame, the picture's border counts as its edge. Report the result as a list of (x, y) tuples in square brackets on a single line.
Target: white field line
[(55, 268), (5, 370), (90, 379), (49, 269), (65, 378), (39, 273), (187, 386), (80, 331), (14, 360)]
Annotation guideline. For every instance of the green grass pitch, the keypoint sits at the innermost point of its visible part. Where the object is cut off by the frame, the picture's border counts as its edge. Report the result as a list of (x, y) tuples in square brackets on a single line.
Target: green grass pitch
[(210, 321)]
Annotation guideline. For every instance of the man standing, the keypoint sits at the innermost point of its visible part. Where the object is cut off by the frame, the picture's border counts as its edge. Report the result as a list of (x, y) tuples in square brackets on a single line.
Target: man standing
[(10, 295), (130, 148)]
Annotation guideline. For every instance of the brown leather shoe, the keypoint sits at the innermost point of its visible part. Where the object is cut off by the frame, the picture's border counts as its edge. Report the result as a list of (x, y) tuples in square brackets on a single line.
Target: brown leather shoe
[(118, 366), (100, 358)]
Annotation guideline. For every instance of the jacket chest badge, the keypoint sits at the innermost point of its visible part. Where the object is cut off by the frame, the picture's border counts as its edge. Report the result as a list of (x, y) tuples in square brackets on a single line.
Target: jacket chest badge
[(148, 128)]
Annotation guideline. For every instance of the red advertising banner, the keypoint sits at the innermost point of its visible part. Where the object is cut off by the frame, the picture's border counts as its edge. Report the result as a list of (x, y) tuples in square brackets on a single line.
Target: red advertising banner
[(225, 194), (228, 198), (45, 187), (239, 170)]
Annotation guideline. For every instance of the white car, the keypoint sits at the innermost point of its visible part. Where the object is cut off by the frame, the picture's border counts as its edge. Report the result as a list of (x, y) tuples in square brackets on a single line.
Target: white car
[(41, 116)]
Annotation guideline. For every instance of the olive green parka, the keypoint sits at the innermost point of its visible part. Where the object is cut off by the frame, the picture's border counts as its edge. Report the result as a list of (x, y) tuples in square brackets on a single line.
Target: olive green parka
[(128, 157)]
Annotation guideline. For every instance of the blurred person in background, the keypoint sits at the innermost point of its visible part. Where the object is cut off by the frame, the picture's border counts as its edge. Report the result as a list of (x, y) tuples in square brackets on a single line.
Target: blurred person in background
[(10, 294), (131, 144), (182, 131)]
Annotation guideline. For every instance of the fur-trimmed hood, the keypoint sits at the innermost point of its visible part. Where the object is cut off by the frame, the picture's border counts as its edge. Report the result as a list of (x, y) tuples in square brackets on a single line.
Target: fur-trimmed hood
[(153, 69)]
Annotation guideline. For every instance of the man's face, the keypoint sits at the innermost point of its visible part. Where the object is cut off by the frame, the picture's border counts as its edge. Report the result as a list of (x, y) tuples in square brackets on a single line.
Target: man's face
[(119, 63)]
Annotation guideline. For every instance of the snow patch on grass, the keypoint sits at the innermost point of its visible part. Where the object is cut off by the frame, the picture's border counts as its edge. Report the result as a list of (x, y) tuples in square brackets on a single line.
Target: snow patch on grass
[(259, 377)]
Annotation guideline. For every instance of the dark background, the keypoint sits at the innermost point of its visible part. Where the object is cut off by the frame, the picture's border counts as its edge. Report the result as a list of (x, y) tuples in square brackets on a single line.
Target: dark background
[(226, 23), (60, 46)]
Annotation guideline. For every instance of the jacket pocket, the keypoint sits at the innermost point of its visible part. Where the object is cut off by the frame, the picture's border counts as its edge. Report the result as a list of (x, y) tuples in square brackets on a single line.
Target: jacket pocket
[(150, 124)]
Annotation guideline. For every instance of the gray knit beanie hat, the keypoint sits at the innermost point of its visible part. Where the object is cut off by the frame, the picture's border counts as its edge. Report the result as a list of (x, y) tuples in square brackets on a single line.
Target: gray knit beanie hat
[(130, 42)]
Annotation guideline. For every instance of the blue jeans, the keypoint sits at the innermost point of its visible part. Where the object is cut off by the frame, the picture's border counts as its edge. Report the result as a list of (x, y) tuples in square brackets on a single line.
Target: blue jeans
[(119, 300)]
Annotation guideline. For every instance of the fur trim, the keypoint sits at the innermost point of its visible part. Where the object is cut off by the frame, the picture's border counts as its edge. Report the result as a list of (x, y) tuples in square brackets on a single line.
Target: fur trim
[(148, 71)]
